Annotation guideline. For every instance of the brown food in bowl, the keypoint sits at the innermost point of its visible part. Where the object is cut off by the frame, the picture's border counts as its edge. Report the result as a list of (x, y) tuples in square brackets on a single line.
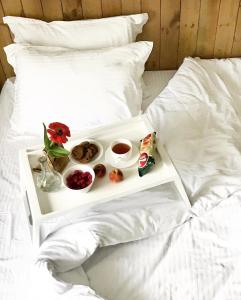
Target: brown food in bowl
[(84, 152)]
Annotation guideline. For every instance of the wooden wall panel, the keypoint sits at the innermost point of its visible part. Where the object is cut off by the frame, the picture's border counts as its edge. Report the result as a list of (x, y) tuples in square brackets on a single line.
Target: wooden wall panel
[(188, 29), (151, 31), (226, 28), (2, 76), (170, 20), (52, 10), (32, 9), (72, 9), (236, 50), (111, 8), (4, 41), (13, 7), (92, 9), (178, 28), (1, 13), (131, 7), (207, 28)]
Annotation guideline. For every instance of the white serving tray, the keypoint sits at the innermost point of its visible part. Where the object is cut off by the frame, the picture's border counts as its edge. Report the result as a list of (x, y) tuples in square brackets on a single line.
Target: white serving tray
[(44, 204)]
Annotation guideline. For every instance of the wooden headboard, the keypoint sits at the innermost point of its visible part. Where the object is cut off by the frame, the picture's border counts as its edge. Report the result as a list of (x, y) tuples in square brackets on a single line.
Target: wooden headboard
[(179, 28)]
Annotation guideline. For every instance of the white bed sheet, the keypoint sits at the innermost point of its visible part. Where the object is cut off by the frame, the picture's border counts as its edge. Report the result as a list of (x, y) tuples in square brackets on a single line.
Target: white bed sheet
[(15, 244), (155, 82), (200, 124), (199, 260)]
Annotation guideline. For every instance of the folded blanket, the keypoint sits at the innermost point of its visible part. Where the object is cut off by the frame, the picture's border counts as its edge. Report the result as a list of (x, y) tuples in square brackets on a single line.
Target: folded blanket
[(69, 247)]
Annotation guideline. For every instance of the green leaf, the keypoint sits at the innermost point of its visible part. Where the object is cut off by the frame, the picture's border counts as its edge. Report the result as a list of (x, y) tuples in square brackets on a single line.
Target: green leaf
[(46, 139), (57, 151)]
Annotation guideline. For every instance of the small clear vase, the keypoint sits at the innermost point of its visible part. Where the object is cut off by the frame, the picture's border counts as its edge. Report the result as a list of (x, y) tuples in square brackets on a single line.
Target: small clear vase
[(48, 180)]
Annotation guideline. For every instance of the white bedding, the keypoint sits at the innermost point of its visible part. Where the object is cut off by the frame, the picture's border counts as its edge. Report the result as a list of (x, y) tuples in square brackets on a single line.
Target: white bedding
[(72, 71), (155, 82), (15, 245), (200, 259)]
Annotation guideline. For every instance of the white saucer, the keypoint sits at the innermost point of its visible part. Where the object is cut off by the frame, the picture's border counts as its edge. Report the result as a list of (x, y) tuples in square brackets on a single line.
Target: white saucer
[(122, 164), (98, 156)]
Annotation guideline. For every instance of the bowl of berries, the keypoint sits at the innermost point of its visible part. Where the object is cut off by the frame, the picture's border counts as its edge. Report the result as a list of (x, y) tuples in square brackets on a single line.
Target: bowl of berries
[(79, 178)]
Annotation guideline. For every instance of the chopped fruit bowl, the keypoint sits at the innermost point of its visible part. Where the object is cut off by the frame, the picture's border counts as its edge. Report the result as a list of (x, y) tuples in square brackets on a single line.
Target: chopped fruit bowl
[(79, 178)]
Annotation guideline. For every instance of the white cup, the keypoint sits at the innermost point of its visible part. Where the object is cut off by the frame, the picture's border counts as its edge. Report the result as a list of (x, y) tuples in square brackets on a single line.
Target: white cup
[(118, 156)]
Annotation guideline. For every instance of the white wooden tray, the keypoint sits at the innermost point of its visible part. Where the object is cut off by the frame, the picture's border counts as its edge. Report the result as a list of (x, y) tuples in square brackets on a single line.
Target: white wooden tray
[(44, 204)]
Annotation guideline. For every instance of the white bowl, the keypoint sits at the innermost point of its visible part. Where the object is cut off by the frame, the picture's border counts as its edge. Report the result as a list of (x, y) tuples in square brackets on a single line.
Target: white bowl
[(83, 168), (98, 155)]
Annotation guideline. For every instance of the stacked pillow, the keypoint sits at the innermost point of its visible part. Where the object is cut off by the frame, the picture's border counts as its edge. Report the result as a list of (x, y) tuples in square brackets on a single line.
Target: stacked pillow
[(82, 34), (82, 73)]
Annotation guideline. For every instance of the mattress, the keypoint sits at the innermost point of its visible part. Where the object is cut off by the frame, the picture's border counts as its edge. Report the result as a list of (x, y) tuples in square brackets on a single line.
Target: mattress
[(15, 247)]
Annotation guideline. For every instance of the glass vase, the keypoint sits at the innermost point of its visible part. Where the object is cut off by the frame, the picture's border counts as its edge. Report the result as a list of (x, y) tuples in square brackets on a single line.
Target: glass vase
[(48, 180)]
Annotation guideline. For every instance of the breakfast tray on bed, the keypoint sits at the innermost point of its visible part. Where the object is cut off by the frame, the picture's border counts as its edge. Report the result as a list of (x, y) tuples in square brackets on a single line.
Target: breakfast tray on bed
[(42, 205)]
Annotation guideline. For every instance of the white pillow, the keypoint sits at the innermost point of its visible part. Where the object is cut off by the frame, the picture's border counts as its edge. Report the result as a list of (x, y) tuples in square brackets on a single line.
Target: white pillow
[(80, 88), (84, 34), (203, 95)]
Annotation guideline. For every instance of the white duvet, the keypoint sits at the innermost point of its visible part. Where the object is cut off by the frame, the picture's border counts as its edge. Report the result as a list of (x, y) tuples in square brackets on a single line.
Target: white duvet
[(197, 255)]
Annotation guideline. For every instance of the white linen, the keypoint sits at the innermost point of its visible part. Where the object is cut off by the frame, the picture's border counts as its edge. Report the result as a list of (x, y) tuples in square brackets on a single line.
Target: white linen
[(16, 253), (71, 246), (80, 34), (198, 119), (154, 83), (198, 260), (79, 88)]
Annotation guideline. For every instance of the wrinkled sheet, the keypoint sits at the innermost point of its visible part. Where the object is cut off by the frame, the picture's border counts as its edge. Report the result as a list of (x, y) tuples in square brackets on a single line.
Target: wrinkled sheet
[(71, 246), (16, 253), (198, 119)]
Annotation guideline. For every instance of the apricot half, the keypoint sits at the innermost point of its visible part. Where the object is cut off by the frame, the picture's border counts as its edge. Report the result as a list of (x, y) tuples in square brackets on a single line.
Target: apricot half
[(116, 175)]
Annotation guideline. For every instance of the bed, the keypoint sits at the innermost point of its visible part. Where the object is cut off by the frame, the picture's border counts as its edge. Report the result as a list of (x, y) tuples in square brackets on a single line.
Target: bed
[(135, 251), (16, 253), (203, 244)]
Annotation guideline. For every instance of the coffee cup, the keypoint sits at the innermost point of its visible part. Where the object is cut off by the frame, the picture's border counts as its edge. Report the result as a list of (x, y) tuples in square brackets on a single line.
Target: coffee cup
[(121, 149)]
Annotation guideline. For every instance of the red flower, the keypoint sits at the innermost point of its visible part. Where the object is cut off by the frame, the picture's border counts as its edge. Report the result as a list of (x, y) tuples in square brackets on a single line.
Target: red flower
[(58, 132)]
